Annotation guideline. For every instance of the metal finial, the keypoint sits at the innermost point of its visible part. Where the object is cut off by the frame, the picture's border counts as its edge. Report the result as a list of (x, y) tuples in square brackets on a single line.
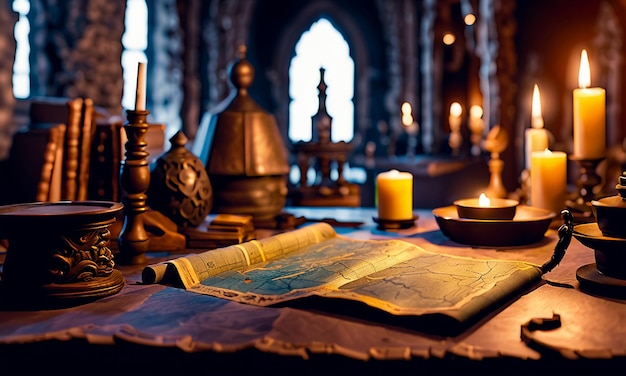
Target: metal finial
[(242, 51)]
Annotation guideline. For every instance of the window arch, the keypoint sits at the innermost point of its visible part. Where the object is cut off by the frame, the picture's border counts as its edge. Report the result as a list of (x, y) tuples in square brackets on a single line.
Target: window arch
[(321, 46)]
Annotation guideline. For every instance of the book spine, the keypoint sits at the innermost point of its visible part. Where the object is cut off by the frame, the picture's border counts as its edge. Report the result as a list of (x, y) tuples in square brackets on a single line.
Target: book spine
[(50, 153), (72, 149), (85, 149)]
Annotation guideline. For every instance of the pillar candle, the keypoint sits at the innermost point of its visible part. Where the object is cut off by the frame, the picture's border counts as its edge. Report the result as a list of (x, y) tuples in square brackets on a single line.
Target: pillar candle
[(548, 180), (589, 115), (536, 137), (140, 94), (394, 195)]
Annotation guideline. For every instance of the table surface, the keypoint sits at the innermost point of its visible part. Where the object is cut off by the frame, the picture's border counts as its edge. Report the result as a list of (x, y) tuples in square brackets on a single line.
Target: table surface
[(174, 325)]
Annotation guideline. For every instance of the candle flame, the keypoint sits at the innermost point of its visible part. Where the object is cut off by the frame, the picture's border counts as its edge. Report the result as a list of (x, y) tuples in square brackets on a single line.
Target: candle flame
[(483, 200), (456, 109), (476, 112), (407, 114), (537, 118), (584, 72)]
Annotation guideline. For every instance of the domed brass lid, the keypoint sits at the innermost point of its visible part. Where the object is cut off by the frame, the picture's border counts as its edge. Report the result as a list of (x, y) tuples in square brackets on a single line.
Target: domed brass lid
[(242, 138)]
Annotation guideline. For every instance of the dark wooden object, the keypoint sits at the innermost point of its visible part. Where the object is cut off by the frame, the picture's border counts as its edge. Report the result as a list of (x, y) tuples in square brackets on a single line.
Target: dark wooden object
[(58, 253), (135, 180)]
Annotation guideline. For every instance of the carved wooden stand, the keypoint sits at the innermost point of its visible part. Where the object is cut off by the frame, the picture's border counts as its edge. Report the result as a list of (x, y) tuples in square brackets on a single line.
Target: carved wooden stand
[(135, 180), (58, 254)]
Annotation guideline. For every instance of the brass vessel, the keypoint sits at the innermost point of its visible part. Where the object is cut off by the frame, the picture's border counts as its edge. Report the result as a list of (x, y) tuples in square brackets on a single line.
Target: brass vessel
[(243, 152)]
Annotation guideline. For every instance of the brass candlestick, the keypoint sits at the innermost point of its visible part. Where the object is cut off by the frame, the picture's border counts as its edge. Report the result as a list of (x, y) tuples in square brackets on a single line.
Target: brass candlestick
[(135, 181), (587, 181)]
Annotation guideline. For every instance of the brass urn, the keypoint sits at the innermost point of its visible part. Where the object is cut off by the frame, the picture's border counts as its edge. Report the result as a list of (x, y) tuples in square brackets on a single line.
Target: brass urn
[(179, 185), (243, 151)]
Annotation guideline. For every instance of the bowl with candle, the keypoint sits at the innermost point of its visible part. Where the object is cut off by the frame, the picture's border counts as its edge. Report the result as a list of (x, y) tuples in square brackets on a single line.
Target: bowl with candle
[(485, 208)]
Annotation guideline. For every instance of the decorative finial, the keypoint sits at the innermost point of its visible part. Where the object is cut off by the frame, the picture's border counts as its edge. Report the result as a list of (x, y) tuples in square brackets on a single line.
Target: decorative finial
[(242, 72), (179, 139)]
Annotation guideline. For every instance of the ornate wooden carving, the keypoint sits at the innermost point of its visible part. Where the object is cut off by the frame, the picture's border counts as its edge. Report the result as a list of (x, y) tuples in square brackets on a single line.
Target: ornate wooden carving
[(76, 256), (58, 251)]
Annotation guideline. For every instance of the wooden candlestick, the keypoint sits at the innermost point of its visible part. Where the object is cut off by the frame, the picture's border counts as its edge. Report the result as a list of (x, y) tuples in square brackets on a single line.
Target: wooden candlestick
[(135, 181)]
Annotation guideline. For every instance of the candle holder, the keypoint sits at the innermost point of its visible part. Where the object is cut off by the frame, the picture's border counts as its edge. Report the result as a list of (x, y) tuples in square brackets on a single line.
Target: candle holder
[(394, 224), (135, 181), (496, 142), (607, 238), (588, 179)]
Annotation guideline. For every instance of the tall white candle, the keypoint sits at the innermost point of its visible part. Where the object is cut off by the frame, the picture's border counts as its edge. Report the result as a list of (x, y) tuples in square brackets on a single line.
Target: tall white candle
[(548, 180), (536, 137), (140, 94), (395, 195), (589, 115)]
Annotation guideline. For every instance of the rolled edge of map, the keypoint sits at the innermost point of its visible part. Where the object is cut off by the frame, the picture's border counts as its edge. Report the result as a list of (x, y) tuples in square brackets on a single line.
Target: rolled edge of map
[(153, 273)]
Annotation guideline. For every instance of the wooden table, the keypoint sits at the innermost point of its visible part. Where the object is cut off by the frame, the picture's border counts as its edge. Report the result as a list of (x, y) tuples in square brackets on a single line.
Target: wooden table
[(156, 328)]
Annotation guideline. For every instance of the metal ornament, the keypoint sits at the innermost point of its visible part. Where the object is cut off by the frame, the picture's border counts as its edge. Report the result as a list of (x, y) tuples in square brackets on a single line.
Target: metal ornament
[(180, 187)]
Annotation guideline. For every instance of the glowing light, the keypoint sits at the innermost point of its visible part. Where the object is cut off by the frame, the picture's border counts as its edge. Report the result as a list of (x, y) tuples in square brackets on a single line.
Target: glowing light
[(584, 72), (537, 117), (483, 201), (448, 39)]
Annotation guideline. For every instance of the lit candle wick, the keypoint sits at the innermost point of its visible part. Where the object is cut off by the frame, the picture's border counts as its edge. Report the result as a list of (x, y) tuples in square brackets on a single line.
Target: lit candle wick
[(584, 71), (483, 201)]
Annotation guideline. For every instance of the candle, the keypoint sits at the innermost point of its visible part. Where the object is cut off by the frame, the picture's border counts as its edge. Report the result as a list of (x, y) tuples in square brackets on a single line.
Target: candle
[(536, 136), (140, 94), (476, 124), (395, 195), (589, 115), (485, 208), (548, 182), (408, 122), (455, 116)]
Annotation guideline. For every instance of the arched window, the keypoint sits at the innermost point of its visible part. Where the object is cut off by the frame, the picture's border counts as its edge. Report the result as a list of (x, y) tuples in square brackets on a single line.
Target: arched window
[(135, 43), (321, 46)]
